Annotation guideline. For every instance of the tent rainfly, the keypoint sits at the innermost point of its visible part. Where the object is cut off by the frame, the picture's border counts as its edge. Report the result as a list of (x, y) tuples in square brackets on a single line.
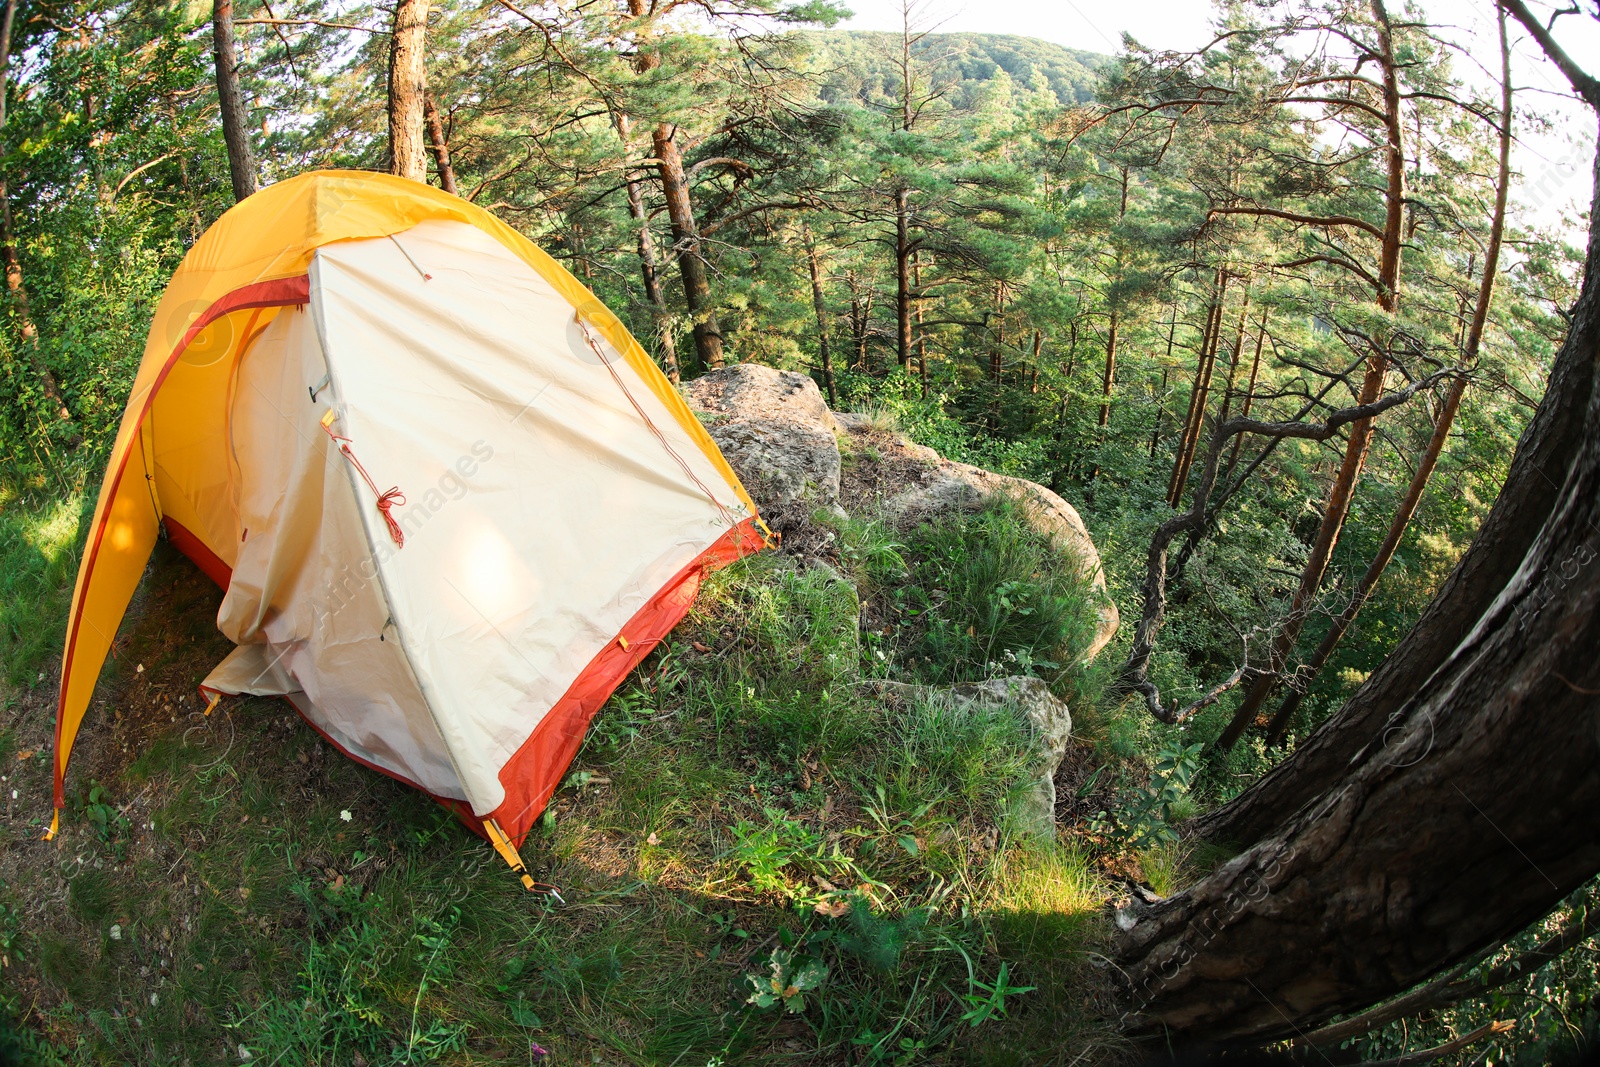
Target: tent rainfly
[(450, 501)]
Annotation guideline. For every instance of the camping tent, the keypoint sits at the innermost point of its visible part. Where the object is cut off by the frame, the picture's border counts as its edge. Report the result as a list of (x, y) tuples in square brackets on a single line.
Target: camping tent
[(450, 500)]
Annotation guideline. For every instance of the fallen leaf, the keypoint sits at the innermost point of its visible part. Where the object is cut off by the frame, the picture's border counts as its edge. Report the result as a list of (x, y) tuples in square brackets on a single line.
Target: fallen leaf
[(338, 883), (698, 647), (833, 908), (24, 755), (823, 883)]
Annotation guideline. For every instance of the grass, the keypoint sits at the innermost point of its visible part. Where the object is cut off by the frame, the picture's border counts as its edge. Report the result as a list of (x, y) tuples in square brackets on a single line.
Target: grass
[(39, 545), (228, 889)]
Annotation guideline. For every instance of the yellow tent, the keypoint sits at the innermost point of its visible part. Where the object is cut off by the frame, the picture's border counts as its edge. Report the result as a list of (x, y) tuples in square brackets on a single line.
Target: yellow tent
[(551, 503)]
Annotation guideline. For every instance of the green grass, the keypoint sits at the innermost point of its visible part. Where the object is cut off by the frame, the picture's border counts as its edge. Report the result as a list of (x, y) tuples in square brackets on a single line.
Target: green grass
[(743, 808), (40, 541), (979, 596)]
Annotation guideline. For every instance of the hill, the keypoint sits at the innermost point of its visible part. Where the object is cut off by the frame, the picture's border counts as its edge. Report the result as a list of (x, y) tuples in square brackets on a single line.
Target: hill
[(857, 63)]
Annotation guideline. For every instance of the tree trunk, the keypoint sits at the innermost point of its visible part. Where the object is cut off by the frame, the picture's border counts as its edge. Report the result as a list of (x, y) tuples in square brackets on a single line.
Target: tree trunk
[(821, 307), (439, 145), (1441, 430), (1250, 391), (235, 122), (1335, 509), (1194, 421), (922, 337), (649, 268), (1304, 676), (1110, 375), (686, 241), (1475, 812), (902, 275), (1033, 366), (1233, 358), (1543, 458), (407, 87)]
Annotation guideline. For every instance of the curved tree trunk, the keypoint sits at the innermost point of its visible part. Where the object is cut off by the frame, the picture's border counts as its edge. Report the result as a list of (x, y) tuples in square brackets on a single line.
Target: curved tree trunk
[(1455, 797), (820, 306)]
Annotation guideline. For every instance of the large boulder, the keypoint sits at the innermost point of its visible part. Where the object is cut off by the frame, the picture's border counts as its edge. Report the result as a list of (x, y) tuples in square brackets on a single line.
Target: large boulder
[(780, 438), (784, 443), (1048, 722)]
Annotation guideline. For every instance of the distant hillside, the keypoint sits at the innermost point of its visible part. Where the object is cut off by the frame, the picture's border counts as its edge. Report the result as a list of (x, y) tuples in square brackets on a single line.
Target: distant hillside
[(857, 63)]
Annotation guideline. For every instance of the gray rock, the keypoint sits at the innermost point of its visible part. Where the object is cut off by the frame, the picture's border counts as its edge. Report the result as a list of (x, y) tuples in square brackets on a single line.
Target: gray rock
[(782, 440), (776, 432)]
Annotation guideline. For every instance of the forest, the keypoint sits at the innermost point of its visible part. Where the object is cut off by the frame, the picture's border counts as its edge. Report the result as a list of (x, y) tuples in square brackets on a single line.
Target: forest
[(1278, 316)]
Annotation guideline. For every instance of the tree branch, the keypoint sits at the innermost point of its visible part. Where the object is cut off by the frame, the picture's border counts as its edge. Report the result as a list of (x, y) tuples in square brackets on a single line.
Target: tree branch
[(1292, 216), (1583, 83)]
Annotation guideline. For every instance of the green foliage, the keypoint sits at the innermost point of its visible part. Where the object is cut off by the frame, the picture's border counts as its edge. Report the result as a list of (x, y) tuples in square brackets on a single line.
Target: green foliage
[(787, 981), (990, 597), (987, 1000), (879, 941), (764, 851), (39, 544), (1147, 814)]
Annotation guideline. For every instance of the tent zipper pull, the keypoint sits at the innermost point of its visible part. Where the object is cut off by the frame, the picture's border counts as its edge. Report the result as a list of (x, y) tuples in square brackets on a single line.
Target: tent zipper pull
[(319, 387)]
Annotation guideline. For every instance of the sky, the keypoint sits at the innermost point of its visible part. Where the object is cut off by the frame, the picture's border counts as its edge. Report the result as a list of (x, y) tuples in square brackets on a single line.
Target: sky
[(1554, 163)]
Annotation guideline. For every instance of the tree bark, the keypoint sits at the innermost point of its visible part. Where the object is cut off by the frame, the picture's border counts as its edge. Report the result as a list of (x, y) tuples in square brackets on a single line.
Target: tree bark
[(820, 305), (1250, 390), (649, 267), (407, 88), (686, 241), (1195, 419), (902, 275), (235, 121), (439, 145), (1110, 375), (921, 335)]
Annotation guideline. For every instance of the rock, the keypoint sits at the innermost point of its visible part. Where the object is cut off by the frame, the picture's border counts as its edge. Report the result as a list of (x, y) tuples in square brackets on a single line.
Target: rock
[(750, 391), (1049, 723), (782, 440)]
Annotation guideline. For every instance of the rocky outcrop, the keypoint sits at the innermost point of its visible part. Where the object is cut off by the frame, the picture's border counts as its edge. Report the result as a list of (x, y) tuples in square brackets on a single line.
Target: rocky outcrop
[(781, 439), (1049, 724), (784, 443)]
